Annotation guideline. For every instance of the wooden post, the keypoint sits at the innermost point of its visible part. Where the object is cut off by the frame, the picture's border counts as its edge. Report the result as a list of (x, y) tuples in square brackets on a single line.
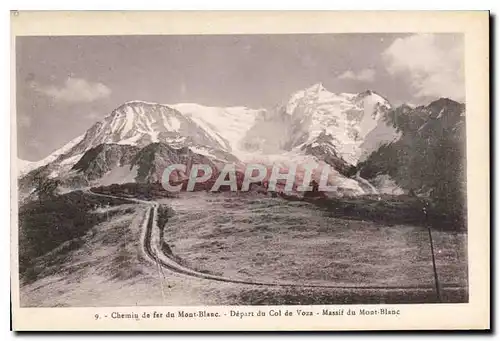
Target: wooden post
[(436, 280)]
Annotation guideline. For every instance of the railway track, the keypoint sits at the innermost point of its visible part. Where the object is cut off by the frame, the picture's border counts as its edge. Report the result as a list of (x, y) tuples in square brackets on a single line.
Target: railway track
[(166, 261)]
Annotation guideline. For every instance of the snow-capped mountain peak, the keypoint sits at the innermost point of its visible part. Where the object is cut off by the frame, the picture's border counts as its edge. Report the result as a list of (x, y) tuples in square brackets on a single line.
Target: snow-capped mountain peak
[(140, 123), (25, 167), (375, 96), (316, 88), (343, 119), (307, 96)]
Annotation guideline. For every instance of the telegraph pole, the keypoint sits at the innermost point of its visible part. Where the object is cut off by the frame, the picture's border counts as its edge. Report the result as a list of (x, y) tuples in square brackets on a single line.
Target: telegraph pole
[(436, 280)]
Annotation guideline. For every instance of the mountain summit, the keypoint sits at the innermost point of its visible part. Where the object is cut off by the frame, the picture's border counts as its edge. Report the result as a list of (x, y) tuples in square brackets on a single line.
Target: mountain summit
[(141, 123), (318, 122)]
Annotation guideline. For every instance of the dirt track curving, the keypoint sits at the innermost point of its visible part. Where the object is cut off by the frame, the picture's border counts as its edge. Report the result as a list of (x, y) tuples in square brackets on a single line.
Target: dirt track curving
[(168, 262)]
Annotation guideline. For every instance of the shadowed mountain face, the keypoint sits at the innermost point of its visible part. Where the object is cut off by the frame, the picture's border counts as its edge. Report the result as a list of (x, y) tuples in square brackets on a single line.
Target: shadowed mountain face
[(146, 165), (142, 165), (98, 161), (153, 159), (429, 158)]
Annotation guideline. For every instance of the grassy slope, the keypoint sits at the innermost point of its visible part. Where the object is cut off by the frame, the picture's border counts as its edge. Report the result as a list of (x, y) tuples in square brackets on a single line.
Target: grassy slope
[(386, 209), (271, 239), (58, 223), (312, 296), (87, 252)]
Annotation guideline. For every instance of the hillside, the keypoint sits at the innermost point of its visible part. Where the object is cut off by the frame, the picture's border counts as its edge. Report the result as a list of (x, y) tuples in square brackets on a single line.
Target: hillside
[(429, 158)]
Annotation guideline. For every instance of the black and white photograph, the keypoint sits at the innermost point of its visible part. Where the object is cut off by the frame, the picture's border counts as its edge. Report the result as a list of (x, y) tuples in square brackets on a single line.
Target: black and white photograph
[(298, 169)]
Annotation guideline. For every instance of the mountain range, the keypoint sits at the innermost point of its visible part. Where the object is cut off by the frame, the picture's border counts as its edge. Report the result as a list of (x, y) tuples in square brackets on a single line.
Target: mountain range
[(137, 140)]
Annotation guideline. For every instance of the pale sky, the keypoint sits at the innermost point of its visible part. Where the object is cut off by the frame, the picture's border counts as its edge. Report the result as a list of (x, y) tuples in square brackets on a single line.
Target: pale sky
[(66, 84)]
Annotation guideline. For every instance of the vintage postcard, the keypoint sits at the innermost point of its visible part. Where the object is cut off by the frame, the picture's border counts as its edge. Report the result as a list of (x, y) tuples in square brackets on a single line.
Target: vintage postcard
[(250, 170)]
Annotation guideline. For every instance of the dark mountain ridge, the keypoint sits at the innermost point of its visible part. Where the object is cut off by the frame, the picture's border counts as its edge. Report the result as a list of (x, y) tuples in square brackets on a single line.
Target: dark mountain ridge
[(429, 158)]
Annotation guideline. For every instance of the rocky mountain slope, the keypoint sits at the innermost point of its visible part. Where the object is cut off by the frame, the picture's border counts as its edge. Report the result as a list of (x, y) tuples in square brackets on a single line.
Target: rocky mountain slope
[(429, 158)]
